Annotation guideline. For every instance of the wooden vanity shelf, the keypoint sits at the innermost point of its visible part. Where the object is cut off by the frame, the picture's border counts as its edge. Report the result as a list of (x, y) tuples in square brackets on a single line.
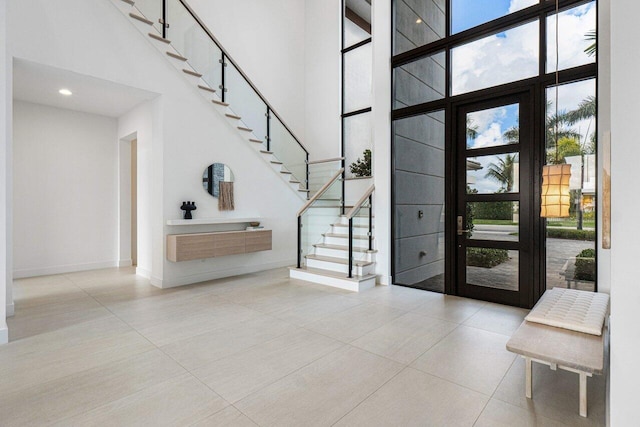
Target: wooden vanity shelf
[(187, 247)]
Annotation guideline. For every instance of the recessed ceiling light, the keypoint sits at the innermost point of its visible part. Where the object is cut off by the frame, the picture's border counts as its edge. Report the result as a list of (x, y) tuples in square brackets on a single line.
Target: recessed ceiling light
[(418, 21), (65, 92)]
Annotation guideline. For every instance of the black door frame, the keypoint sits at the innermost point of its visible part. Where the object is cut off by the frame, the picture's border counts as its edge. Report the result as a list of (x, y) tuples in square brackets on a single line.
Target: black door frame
[(526, 197)]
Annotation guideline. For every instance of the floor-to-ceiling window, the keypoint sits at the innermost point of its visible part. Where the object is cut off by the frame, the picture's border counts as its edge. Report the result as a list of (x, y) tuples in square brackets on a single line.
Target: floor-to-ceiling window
[(484, 95), (356, 87)]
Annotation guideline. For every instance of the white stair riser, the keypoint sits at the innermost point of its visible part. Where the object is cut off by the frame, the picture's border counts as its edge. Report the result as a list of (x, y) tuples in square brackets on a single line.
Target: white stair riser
[(357, 220), (349, 285), (342, 254), (340, 268), (343, 241), (357, 231)]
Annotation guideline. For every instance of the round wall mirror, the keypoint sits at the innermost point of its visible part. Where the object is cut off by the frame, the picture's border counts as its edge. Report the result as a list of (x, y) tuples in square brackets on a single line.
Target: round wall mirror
[(213, 175)]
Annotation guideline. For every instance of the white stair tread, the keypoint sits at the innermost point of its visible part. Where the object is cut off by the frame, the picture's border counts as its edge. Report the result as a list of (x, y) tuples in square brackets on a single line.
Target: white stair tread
[(335, 274), (338, 260), (343, 248), (346, 236), (347, 225)]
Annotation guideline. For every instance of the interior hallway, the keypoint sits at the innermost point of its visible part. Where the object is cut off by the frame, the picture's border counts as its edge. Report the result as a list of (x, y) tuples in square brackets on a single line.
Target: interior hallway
[(107, 348)]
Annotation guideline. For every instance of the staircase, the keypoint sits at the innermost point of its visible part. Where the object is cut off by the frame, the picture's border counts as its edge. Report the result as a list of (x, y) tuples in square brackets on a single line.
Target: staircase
[(336, 249), (272, 140)]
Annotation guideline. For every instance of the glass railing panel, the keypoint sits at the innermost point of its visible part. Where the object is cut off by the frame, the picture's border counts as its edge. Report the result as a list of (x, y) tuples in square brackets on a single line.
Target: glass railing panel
[(361, 228), (152, 10), (320, 173), (286, 149), (317, 220), (245, 102), (193, 42)]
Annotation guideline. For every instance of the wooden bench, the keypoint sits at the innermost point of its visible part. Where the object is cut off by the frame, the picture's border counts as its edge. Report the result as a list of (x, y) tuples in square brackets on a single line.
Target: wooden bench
[(559, 348)]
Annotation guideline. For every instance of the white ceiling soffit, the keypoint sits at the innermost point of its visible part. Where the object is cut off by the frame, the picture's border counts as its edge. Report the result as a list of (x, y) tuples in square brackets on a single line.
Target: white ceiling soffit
[(40, 84)]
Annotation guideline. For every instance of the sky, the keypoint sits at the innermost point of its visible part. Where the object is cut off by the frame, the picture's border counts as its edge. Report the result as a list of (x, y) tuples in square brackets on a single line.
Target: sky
[(513, 55)]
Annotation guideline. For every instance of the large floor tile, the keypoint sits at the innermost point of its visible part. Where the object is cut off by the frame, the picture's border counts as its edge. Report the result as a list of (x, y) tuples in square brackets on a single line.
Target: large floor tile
[(405, 338), (240, 374), (278, 296), (35, 320), (497, 318), (351, 324), (470, 357), (22, 369), (316, 308), (399, 297), (177, 402), (78, 393), (199, 350), (450, 308), (196, 321), (322, 392), (414, 398), (555, 394), (228, 417), (501, 414)]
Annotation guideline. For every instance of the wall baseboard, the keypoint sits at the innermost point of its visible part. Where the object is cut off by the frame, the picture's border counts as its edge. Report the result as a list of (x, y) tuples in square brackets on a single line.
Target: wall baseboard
[(11, 309), (4, 332), (383, 280), (125, 263), (60, 269), (218, 274), (143, 273)]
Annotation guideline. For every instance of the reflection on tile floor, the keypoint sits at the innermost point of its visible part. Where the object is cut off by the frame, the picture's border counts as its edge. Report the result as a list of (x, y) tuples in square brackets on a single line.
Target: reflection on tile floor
[(105, 346)]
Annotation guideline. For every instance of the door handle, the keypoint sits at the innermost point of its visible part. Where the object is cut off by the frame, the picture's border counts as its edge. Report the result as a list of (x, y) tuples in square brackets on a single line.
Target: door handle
[(460, 230)]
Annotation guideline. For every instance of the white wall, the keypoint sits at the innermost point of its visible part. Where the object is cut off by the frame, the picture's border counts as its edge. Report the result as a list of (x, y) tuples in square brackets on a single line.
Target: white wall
[(65, 190), (322, 107), (5, 174), (186, 133), (266, 39), (625, 245), (381, 28)]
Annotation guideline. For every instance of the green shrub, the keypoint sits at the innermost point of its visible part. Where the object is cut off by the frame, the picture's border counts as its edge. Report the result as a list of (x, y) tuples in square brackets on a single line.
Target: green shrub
[(485, 257), (571, 234), (586, 265), (493, 210)]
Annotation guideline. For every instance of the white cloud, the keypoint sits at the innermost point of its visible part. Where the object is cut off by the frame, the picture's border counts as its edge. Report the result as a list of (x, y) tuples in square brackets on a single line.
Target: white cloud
[(520, 4), (513, 55)]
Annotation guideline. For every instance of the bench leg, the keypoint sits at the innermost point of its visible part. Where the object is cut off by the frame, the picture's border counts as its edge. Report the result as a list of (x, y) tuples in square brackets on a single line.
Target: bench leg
[(583, 394), (527, 376)]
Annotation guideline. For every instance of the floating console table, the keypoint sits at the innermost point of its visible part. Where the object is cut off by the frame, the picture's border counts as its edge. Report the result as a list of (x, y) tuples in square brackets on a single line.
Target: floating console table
[(186, 247), (212, 221)]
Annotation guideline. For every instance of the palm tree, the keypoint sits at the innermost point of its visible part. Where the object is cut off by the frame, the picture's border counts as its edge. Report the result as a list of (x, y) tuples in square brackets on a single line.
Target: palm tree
[(503, 171), (586, 110), (591, 36), (554, 123)]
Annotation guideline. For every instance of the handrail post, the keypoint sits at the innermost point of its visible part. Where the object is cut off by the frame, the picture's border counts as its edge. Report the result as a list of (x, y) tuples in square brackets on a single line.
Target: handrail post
[(370, 222), (350, 247), (268, 129), (344, 175), (223, 86), (307, 180), (164, 18), (299, 241)]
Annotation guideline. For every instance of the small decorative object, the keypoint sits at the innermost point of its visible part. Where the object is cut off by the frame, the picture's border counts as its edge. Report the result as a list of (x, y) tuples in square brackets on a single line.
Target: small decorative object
[(254, 223), (225, 198), (360, 167), (187, 207)]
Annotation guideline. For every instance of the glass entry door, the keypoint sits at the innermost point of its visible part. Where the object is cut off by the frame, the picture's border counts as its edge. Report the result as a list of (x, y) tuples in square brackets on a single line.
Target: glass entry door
[(493, 182)]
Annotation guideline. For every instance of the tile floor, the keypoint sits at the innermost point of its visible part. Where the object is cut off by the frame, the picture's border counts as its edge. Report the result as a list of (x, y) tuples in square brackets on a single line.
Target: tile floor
[(105, 348)]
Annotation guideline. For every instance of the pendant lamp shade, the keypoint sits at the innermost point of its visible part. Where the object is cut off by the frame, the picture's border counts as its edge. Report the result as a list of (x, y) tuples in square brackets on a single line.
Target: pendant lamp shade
[(555, 191)]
